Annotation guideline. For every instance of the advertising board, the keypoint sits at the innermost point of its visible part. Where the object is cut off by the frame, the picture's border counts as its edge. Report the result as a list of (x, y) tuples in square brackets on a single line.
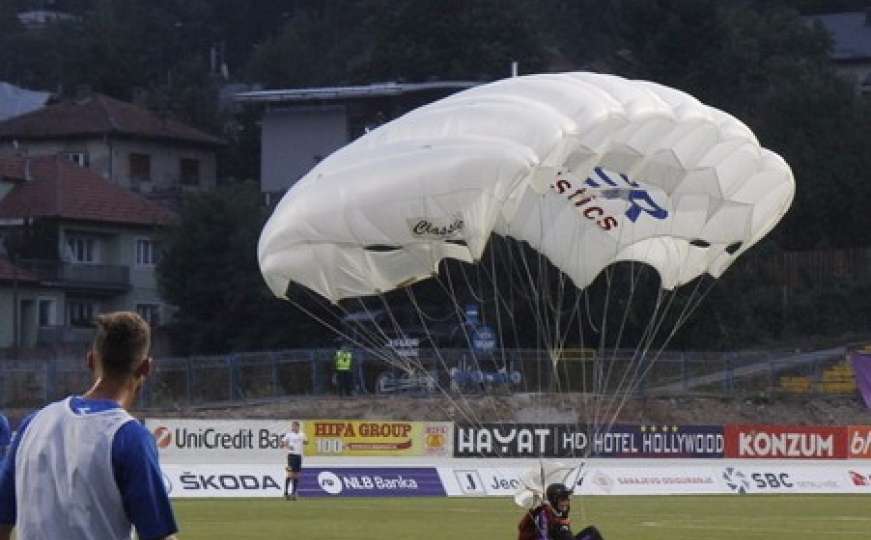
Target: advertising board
[(253, 441), (378, 438), (859, 442), (371, 482), (785, 442), (573, 440), (224, 480), (696, 477), (198, 441)]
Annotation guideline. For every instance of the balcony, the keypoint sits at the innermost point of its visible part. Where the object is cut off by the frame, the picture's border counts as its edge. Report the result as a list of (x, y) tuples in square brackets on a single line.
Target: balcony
[(63, 335), (107, 278)]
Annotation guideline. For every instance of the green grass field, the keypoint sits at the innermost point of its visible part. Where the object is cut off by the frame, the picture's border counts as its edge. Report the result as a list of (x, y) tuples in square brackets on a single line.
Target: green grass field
[(776, 517)]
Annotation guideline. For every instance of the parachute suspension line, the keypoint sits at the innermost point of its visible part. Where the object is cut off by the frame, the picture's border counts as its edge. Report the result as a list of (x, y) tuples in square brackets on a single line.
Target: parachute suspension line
[(476, 290), (587, 391), (497, 304), (370, 333), (638, 357), (450, 293), (612, 357), (600, 377), (473, 352), (405, 363), (333, 328), (536, 310), (466, 410), (693, 303)]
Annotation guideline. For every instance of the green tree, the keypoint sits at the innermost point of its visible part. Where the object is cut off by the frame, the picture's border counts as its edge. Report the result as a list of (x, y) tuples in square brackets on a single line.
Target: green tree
[(474, 40), (209, 272)]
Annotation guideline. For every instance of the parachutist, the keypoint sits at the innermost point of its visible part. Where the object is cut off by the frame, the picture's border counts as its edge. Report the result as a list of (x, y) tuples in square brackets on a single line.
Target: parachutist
[(549, 520)]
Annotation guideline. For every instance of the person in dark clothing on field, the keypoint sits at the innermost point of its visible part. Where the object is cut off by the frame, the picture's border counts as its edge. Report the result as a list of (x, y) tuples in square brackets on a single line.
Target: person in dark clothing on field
[(550, 520)]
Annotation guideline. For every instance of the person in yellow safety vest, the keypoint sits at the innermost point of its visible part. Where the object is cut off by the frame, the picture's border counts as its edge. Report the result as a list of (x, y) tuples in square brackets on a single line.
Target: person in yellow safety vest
[(344, 372)]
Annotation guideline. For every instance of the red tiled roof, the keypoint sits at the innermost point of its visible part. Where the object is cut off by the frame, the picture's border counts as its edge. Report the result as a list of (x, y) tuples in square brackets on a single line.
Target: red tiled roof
[(99, 115), (51, 186), (10, 272)]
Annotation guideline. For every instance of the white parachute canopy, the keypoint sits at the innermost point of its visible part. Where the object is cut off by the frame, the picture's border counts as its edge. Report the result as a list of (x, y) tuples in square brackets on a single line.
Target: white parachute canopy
[(534, 481), (588, 169)]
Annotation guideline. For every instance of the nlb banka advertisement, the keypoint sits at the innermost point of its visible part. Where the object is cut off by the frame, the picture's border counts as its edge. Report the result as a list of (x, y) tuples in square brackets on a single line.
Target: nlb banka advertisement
[(245, 480), (378, 438), (371, 482)]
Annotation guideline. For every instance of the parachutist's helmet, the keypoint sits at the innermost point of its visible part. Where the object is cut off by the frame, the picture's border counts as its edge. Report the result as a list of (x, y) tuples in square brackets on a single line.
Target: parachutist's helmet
[(555, 492)]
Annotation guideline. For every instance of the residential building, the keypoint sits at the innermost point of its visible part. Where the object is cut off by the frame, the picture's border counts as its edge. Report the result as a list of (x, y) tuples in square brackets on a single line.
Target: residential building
[(302, 126), (851, 44), (122, 142), (74, 245)]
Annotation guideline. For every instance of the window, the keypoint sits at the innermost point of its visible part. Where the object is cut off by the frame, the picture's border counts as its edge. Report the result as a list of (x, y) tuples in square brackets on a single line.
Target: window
[(149, 312), (79, 158), (140, 167), (146, 252), (82, 249), (190, 171), (81, 313), (46, 312)]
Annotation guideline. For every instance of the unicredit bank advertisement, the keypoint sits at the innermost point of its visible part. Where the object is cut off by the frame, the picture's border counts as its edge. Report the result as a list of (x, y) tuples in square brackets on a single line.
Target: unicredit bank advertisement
[(189, 441)]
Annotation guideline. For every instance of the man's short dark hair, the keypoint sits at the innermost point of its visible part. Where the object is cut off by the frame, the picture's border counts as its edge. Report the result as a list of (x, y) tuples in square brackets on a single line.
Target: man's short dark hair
[(123, 340)]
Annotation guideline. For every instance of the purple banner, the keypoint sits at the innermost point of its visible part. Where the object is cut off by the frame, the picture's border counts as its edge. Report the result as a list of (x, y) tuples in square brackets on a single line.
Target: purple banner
[(658, 441), (571, 441), (371, 482), (861, 361)]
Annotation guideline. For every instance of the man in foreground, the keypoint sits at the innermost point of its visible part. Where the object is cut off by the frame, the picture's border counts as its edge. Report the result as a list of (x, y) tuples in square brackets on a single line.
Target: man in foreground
[(83, 468), (550, 520)]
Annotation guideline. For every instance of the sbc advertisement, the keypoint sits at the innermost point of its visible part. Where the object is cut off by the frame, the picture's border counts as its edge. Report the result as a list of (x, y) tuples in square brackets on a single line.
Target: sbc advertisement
[(378, 438), (685, 477), (785, 442)]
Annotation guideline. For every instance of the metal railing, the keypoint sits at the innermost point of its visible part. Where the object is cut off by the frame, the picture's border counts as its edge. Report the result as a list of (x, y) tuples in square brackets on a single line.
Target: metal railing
[(94, 276), (202, 381)]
